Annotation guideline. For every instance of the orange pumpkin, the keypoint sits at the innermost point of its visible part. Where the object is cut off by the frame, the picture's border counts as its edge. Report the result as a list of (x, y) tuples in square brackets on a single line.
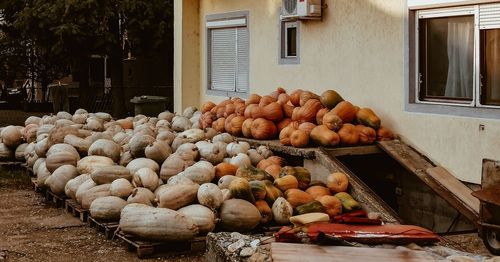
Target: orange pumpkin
[(264, 163), (367, 135), (218, 124), (229, 110), (348, 134), (384, 134), (330, 98), (288, 109), (345, 110), (272, 112), (273, 170), (236, 124), (299, 138), (125, 123), (318, 191), (225, 169), (239, 108), (295, 97), (307, 127), (246, 127), (263, 129), (332, 121), (337, 182), (297, 197), (286, 182), (284, 123), (320, 114), (248, 110), (266, 100), (367, 117), (207, 106), (306, 96), (332, 205), (307, 112), (322, 136), (277, 160), (266, 212), (227, 123), (253, 99), (285, 135), (221, 111), (283, 98)]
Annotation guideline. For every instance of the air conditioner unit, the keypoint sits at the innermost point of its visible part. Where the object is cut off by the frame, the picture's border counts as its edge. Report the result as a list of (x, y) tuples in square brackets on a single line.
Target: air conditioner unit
[(300, 9)]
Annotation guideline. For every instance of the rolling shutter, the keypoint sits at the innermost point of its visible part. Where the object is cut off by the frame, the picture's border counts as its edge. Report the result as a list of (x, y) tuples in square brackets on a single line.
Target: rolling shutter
[(242, 60), (223, 59), (489, 16)]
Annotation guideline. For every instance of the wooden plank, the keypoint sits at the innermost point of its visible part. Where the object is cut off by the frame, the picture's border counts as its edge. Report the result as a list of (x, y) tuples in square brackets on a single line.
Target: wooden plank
[(305, 253), (405, 155), (491, 173), (354, 150), (276, 146), (454, 186)]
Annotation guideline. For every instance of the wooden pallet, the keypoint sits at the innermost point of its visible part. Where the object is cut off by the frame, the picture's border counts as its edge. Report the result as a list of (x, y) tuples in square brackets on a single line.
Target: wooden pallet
[(29, 171), (107, 228), (12, 165), (72, 207), (57, 201), (37, 188), (155, 249)]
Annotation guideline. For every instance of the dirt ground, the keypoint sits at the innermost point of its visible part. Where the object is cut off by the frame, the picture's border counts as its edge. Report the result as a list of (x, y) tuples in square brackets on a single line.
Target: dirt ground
[(31, 230)]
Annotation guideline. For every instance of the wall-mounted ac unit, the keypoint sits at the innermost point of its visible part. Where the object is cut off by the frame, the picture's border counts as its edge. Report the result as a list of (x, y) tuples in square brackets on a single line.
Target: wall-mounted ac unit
[(300, 9)]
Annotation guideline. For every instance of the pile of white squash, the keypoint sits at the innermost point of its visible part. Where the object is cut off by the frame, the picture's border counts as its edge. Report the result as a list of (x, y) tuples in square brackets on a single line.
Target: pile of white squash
[(156, 175)]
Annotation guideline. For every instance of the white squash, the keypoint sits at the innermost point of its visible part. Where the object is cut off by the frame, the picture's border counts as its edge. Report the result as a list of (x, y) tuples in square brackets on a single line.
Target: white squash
[(226, 194), (42, 174), (225, 181), (210, 196), (166, 136), (210, 133), (104, 147), (84, 187), (64, 115), (235, 148), (254, 156), (121, 138), (143, 196), (107, 208), (121, 187), (189, 111), (224, 137), (145, 177), (175, 164), (177, 196), (88, 164), (201, 172), (264, 151), (181, 123), (202, 216), (73, 184), (80, 144), (241, 160), (167, 115), (156, 223), (192, 135), (19, 153), (103, 116), (212, 152), (139, 163), (108, 174), (158, 151), (11, 136), (57, 181), (238, 215), (282, 211), (37, 164), (58, 148), (179, 180), (32, 120), (55, 160), (94, 193), (138, 144), (41, 147), (125, 158)]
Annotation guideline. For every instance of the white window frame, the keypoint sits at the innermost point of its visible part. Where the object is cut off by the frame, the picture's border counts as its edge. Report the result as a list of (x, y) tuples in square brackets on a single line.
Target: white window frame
[(470, 10), (239, 19), (283, 42)]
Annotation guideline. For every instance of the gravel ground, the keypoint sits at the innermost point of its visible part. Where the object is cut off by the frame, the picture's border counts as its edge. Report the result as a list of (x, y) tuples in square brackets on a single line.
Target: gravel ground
[(31, 230)]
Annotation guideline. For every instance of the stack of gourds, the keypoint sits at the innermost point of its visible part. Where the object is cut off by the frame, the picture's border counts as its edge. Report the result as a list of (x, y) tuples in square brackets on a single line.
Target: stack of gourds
[(298, 119)]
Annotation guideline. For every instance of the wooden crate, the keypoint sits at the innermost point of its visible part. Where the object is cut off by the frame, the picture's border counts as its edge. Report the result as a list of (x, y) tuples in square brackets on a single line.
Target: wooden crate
[(155, 249), (107, 228), (57, 201), (72, 207)]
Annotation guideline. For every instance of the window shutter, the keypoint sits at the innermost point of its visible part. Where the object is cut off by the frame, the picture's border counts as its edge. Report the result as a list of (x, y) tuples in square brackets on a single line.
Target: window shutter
[(489, 16), (242, 60), (223, 59)]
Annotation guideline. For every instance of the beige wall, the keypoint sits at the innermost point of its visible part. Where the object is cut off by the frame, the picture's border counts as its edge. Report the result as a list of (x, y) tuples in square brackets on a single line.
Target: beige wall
[(358, 50)]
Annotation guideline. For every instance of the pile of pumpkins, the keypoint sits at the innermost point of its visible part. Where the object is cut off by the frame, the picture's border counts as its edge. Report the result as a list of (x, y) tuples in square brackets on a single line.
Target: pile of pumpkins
[(298, 119), (164, 178)]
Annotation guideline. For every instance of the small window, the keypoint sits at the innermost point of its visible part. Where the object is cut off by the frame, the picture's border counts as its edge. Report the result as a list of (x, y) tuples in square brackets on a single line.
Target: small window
[(227, 55), (289, 42)]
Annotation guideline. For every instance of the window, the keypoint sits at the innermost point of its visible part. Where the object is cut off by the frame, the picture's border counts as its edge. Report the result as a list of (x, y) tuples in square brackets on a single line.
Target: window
[(458, 56), (289, 42), (227, 54)]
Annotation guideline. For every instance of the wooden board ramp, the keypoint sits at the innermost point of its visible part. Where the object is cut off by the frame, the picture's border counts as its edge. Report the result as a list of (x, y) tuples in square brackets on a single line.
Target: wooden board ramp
[(437, 178), (107, 228), (57, 201), (12, 165), (281, 252), (154, 249), (72, 207)]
